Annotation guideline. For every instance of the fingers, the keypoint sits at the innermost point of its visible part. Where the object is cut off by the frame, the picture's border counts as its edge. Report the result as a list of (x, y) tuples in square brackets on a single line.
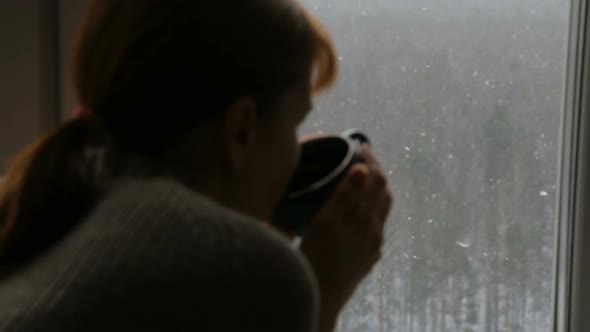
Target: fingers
[(376, 202), (369, 158), (377, 179), (345, 200), (362, 199), (385, 205), (358, 176), (379, 197), (376, 189), (377, 231)]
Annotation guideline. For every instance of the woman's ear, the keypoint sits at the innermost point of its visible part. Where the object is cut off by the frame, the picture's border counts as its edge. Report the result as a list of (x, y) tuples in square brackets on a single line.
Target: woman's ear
[(239, 127)]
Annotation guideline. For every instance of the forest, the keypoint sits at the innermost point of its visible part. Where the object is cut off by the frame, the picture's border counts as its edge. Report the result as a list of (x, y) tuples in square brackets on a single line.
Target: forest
[(463, 101)]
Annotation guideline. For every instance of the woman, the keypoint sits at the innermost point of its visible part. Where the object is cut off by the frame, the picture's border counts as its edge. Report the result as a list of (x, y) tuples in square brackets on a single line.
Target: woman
[(146, 211)]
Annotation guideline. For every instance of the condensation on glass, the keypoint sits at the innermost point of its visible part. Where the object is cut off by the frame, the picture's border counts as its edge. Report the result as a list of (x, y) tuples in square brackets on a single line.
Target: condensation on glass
[(463, 100)]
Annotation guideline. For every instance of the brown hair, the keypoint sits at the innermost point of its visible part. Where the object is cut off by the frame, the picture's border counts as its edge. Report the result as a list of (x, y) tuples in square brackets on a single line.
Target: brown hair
[(149, 71)]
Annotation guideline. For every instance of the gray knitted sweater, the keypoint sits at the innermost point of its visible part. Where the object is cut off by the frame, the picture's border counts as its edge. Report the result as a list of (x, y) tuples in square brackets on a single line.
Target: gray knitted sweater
[(156, 256)]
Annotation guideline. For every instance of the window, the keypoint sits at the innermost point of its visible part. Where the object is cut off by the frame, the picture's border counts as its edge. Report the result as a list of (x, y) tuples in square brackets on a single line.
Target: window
[(463, 101)]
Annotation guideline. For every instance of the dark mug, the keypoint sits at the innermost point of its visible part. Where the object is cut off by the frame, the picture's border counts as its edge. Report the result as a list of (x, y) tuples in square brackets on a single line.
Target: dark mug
[(323, 162)]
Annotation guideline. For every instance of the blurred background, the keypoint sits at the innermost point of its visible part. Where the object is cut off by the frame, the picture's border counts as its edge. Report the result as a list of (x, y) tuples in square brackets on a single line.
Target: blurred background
[(35, 92)]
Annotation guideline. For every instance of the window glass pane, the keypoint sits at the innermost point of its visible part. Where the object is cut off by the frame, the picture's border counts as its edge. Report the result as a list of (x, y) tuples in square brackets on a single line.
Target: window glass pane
[(462, 99)]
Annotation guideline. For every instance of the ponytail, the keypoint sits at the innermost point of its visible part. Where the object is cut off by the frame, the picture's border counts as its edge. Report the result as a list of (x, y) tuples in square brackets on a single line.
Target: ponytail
[(49, 187)]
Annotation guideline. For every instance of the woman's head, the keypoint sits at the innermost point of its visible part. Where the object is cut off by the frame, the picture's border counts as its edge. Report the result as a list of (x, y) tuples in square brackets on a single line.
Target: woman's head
[(154, 69), (213, 90)]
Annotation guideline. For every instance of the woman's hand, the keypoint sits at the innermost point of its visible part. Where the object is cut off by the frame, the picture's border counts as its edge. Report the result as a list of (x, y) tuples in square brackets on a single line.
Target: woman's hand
[(343, 241)]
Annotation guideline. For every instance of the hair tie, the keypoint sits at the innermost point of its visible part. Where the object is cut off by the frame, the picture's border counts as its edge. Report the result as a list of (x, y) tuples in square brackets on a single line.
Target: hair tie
[(88, 117), (82, 112)]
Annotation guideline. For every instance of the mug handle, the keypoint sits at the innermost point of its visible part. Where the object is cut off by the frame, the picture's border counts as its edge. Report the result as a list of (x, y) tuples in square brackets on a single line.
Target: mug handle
[(356, 135)]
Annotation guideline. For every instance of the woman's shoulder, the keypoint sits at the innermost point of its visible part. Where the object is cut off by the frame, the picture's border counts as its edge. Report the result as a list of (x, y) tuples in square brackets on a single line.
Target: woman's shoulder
[(211, 260), (165, 204), (162, 208), (154, 252)]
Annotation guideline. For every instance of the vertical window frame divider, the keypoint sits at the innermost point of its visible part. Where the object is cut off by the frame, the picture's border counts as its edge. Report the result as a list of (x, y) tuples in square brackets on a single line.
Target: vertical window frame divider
[(572, 237)]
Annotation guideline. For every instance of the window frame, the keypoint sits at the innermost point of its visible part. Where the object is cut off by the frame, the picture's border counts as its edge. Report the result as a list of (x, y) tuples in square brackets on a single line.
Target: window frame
[(571, 265)]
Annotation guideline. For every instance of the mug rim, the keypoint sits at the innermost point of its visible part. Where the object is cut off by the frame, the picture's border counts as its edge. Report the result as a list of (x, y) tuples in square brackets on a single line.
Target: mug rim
[(330, 176)]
